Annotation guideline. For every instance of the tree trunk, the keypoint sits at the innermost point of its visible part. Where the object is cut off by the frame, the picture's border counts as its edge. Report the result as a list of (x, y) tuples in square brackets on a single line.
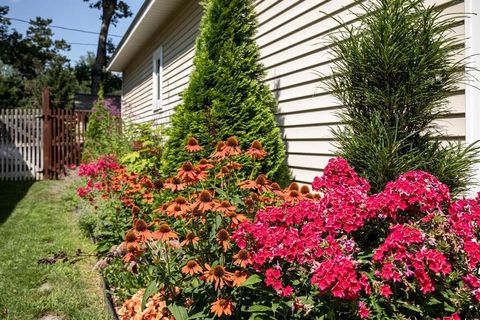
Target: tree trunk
[(108, 10)]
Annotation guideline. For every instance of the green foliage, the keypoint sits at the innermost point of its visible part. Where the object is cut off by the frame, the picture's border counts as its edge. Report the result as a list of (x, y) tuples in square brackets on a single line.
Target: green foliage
[(225, 96), (112, 84), (393, 74), (31, 61), (146, 140), (104, 133)]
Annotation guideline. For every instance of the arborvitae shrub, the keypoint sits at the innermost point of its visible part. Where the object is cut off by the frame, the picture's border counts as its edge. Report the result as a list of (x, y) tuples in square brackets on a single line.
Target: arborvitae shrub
[(225, 96), (393, 74)]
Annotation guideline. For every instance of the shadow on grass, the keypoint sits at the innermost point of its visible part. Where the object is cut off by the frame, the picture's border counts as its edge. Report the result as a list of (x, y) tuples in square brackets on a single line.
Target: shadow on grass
[(10, 194)]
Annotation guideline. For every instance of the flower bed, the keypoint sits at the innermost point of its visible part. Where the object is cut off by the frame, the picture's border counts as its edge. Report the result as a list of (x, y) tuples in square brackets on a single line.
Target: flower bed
[(220, 239)]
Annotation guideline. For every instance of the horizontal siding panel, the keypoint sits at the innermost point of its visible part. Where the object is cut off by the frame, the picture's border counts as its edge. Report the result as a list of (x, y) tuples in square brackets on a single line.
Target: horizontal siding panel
[(310, 147), (320, 132), (292, 37), (305, 175), (307, 161)]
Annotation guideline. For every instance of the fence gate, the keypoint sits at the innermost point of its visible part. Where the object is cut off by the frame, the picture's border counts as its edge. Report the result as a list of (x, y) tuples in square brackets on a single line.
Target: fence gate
[(40, 144), (63, 138)]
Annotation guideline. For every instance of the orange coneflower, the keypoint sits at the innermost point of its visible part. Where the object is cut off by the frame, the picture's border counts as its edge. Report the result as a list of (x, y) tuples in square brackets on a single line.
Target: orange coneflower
[(219, 153), (238, 278), (199, 215), (276, 189), (261, 184), (190, 238), (222, 307), (294, 196), (177, 211), (132, 252), (309, 196), (217, 274), (187, 172), (162, 208), (242, 258), (174, 184), (205, 201), (146, 182), (226, 207), (234, 166), (192, 145), (304, 190), (256, 150), (223, 172), (141, 230), (202, 175), (165, 233), (158, 184), (204, 165), (236, 218), (223, 238), (178, 206), (231, 147), (191, 268), (135, 210), (294, 186), (148, 197)]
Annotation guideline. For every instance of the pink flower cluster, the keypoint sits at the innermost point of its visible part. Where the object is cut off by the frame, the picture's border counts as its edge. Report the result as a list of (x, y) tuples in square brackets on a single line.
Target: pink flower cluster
[(465, 222), (412, 193), (404, 254), (96, 168), (322, 235)]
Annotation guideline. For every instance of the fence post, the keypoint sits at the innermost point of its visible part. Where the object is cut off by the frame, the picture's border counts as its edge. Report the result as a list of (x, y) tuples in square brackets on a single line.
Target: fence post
[(47, 134)]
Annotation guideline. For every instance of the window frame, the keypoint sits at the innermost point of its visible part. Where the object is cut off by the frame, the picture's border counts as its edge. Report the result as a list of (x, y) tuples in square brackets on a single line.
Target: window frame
[(157, 83)]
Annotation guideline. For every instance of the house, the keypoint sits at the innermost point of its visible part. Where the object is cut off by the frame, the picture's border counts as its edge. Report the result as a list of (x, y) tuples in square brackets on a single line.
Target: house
[(155, 57)]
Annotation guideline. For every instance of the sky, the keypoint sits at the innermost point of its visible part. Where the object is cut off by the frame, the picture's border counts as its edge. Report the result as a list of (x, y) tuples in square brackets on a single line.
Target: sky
[(74, 14)]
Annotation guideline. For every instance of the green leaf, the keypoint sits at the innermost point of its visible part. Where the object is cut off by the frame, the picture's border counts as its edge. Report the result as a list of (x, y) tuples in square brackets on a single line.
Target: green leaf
[(221, 192), (179, 312), (259, 308), (251, 281), (199, 315), (151, 289), (411, 307), (434, 301)]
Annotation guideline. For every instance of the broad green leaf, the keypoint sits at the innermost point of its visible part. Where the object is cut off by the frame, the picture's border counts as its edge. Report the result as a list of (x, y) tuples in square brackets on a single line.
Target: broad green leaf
[(199, 315), (179, 312), (251, 281), (151, 289), (259, 308)]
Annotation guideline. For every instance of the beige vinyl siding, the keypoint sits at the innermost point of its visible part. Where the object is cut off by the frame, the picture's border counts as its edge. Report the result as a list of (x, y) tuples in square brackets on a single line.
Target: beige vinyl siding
[(177, 38), (293, 41), (292, 37)]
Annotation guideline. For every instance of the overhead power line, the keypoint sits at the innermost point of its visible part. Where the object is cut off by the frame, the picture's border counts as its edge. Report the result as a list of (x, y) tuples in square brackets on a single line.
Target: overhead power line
[(81, 44), (64, 28)]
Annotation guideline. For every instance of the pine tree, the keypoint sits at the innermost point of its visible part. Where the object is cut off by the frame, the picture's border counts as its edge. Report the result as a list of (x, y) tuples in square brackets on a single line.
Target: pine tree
[(225, 96), (393, 74)]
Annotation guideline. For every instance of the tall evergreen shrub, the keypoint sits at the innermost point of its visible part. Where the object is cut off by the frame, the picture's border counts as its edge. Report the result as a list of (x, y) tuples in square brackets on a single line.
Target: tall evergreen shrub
[(393, 74), (225, 96)]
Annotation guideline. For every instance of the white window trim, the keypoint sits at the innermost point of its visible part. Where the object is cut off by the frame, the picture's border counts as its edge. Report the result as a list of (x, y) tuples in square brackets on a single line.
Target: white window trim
[(472, 93), (157, 103)]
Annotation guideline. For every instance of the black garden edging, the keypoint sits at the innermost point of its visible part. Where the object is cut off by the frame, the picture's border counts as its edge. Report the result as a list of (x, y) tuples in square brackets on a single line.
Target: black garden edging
[(108, 299)]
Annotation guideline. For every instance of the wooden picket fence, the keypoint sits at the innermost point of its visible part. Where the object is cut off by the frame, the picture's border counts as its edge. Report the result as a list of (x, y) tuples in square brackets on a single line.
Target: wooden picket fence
[(21, 145), (40, 144)]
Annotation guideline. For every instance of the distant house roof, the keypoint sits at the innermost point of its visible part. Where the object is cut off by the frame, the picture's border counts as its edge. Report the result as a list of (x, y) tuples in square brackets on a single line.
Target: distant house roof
[(84, 101), (152, 15)]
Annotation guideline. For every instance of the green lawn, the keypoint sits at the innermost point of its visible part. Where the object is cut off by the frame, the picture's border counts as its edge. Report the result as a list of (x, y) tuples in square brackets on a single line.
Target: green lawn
[(36, 220)]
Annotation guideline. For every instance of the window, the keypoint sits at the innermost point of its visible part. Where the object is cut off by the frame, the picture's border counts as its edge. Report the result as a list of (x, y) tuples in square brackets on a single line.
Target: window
[(157, 79)]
